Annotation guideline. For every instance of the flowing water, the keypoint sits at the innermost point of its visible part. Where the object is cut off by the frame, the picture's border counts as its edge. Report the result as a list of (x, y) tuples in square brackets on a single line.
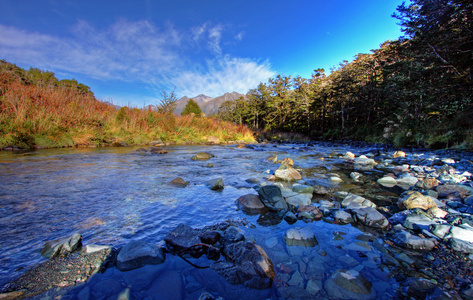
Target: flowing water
[(115, 195)]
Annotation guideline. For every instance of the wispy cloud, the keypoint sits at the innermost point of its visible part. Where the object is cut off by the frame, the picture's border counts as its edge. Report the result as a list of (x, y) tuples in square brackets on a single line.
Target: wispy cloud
[(139, 51)]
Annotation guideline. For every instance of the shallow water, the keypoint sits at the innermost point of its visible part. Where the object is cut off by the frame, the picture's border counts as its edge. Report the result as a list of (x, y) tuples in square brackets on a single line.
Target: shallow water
[(114, 195)]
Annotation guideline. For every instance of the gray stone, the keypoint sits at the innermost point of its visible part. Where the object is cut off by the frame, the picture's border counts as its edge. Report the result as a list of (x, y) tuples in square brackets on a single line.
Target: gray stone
[(354, 201), (62, 247), (301, 188), (349, 284), (362, 160), (139, 253), (288, 173), (202, 156), (216, 184), (449, 189), (290, 217), (387, 181), (406, 181), (418, 222), (405, 239), (461, 238), (440, 230), (251, 204), (342, 217), (182, 237), (300, 237), (355, 175), (92, 248), (370, 217), (322, 190), (309, 212), (299, 199), (272, 198)]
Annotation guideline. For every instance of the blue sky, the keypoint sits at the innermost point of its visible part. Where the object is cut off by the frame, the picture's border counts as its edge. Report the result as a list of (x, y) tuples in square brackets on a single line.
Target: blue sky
[(128, 51)]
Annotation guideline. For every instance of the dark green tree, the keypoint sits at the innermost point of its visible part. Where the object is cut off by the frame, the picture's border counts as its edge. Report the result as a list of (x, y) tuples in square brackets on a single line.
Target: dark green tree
[(191, 107), (168, 102)]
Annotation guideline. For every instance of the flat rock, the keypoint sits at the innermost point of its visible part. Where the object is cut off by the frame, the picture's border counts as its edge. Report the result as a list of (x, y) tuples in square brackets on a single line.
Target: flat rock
[(300, 236), (405, 239), (342, 217), (387, 181), (448, 189), (299, 199), (139, 253), (418, 222), (182, 237), (312, 211)]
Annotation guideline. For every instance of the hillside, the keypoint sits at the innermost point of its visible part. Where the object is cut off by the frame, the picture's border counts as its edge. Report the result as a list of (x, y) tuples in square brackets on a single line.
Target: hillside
[(208, 105), (37, 110)]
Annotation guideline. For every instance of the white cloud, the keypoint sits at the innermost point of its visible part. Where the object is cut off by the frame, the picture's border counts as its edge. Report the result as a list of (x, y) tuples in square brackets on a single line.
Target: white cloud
[(139, 51), (225, 74)]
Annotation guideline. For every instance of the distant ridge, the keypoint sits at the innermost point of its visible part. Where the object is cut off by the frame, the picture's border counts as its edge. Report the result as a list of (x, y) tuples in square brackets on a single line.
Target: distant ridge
[(208, 105)]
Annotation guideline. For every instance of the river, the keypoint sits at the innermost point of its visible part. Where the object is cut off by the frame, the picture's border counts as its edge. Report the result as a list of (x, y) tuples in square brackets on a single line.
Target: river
[(115, 195)]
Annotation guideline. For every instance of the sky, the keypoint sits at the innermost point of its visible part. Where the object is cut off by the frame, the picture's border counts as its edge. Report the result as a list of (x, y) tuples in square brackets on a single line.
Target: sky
[(128, 52)]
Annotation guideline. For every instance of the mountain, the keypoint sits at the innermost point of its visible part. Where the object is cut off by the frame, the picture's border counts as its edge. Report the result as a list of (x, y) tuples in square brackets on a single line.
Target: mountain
[(207, 104)]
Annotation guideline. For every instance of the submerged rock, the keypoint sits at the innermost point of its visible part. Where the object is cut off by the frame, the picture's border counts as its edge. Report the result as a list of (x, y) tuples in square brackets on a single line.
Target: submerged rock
[(216, 184), (137, 254), (405, 239), (202, 156), (349, 284), (300, 237), (62, 247), (370, 217), (272, 198), (182, 237)]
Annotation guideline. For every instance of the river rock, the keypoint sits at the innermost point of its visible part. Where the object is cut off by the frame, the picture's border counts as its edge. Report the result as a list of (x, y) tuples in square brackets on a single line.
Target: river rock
[(418, 222), (449, 189), (349, 284), (406, 181), (322, 190), (92, 248), (364, 161), (202, 156), (216, 184), (349, 155), (387, 181), (178, 181), (354, 201), (246, 263), (342, 217), (287, 161), (272, 158), (62, 247), (300, 236), (440, 230), (272, 198), (405, 239), (251, 204), (182, 237), (428, 183), (290, 217), (461, 238), (301, 188), (311, 211), (299, 199), (137, 254), (287, 173), (370, 217), (413, 199), (399, 154)]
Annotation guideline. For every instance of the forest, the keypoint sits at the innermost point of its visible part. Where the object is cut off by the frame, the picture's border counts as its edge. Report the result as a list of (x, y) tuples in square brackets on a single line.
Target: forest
[(414, 91)]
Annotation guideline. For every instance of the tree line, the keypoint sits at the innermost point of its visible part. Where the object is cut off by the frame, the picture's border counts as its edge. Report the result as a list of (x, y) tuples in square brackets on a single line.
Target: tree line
[(415, 91)]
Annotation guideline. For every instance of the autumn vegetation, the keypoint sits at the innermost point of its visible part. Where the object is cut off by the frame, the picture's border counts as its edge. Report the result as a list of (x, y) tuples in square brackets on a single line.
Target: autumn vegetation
[(38, 110), (415, 91)]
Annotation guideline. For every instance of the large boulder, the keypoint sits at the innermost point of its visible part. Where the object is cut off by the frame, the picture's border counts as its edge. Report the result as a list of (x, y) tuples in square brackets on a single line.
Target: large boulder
[(202, 156), (246, 263), (251, 204), (272, 198), (288, 173), (413, 199), (349, 284), (300, 237), (137, 254), (370, 217), (62, 247)]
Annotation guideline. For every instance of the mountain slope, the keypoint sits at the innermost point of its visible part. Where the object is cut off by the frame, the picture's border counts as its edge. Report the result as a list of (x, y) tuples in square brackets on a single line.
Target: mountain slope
[(207, 104)]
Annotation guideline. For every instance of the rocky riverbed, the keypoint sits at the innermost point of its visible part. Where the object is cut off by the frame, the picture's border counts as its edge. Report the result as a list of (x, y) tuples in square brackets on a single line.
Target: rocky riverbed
[(360, 224)]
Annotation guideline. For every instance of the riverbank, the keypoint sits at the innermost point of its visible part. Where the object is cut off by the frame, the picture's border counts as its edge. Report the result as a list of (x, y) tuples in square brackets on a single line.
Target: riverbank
[(399, 222)]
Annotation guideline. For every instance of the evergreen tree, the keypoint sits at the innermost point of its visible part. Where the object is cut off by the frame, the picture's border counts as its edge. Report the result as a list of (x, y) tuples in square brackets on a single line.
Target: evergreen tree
[(191, 107)]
